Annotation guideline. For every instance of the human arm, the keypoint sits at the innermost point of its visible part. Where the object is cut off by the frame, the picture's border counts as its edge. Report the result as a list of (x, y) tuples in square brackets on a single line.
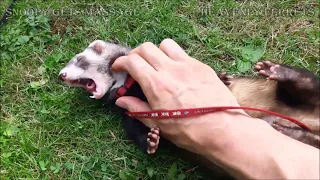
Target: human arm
[(245, 147), (250, 149)]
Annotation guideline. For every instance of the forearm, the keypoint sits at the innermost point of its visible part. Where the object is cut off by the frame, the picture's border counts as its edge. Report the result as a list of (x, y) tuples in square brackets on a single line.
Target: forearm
[(250, 148)]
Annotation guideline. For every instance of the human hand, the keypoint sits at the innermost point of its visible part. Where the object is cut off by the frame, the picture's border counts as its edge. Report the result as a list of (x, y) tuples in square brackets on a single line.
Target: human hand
[(245, 147), (170, 79)]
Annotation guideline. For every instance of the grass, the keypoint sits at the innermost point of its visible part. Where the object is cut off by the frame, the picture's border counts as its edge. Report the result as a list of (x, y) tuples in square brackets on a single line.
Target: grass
[(49, 131)]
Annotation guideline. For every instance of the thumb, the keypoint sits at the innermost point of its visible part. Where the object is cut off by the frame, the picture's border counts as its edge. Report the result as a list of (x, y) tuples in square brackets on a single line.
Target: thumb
[(133, 104)]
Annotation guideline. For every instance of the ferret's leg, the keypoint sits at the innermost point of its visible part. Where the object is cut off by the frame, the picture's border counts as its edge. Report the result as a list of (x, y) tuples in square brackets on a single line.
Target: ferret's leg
[(300, 135), (295, 85), (294, 131), (146, 140), (225, 78), (153, 140), (136, 131)]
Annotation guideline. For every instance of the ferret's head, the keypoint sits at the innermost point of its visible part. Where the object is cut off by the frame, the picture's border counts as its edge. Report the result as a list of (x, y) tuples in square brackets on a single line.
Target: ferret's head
[(91, 69)]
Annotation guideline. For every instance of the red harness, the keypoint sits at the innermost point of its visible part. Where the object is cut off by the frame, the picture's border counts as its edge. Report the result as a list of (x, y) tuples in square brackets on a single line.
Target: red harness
[(180, 113), (123, 89)]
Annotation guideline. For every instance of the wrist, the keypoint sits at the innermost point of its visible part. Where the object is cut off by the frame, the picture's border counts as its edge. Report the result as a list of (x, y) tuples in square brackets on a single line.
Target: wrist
[(214, 131), (250, 148), (242, 147)]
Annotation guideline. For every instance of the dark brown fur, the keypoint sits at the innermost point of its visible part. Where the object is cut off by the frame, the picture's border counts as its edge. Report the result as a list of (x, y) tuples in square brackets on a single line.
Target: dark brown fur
[(289, 94)]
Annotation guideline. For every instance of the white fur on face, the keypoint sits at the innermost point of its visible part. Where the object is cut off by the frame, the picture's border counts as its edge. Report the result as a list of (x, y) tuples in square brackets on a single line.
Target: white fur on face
[(93, 70)]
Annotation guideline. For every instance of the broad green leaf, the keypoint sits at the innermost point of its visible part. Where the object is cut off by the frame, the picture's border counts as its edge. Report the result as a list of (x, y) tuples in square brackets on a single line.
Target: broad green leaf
[(17, 31), (5, 56), (52, 168), (36, 84), (312, 36), (11, 131), (99, 151), (181, 177), (68, 29), (42, 19), (41, 70), (23, 39), (65, 109), (122, 175), (150, 171), (69, 165), (6, 155), (57, 57), (22, 53), (172, 171), (90, 165), (52, 60), (247, 41), (44, 111), (56, 171), (105, 177), (32, 24), (12, 48), (125, 175), (58, 167), (243, 66), (252, 53), (103, 167), (43, 165), (49, 62)]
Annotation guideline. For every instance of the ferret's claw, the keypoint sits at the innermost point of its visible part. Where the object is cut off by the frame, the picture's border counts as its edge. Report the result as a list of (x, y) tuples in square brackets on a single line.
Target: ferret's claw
[(153, 140), (225, 78)]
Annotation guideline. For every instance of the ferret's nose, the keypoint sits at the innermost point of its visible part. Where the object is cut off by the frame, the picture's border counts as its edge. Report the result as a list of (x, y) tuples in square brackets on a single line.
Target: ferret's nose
[(62, 76)]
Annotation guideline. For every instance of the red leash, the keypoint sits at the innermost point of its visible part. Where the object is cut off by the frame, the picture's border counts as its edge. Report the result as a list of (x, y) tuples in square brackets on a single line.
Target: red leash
[(180, 113)]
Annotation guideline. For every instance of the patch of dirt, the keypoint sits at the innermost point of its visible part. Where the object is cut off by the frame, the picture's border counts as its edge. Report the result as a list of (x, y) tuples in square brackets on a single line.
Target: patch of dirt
[(296, 26), (225, 57), (59, 25)]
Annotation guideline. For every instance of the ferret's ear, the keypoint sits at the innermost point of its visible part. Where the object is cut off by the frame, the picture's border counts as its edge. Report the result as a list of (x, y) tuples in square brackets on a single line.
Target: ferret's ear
[(98, 46)]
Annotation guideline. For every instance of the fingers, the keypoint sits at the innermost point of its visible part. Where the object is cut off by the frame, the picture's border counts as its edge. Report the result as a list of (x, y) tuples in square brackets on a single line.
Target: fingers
[(173, 50), (153, 55), (137, 67), (133, 104)]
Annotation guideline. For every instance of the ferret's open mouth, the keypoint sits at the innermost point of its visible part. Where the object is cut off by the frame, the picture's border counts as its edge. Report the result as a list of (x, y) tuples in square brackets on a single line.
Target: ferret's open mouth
[(86, 83)]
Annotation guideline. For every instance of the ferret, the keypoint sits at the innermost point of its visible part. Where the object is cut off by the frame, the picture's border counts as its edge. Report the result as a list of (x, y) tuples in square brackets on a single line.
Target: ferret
[(280, 88)]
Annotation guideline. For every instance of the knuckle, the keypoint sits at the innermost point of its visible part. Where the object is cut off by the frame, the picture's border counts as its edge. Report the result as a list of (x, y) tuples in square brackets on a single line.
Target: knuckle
[(137, 62), (133, 57), (147, 45), (165, 42)]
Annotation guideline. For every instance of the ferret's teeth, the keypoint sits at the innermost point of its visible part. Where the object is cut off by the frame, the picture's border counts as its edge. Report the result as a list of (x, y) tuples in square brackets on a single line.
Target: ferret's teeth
[(92, 97)]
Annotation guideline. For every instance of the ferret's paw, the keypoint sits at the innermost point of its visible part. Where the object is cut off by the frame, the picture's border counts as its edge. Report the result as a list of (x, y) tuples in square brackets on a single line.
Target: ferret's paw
[(275, 71), (225, 78), (269, 69), (153, 140)]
